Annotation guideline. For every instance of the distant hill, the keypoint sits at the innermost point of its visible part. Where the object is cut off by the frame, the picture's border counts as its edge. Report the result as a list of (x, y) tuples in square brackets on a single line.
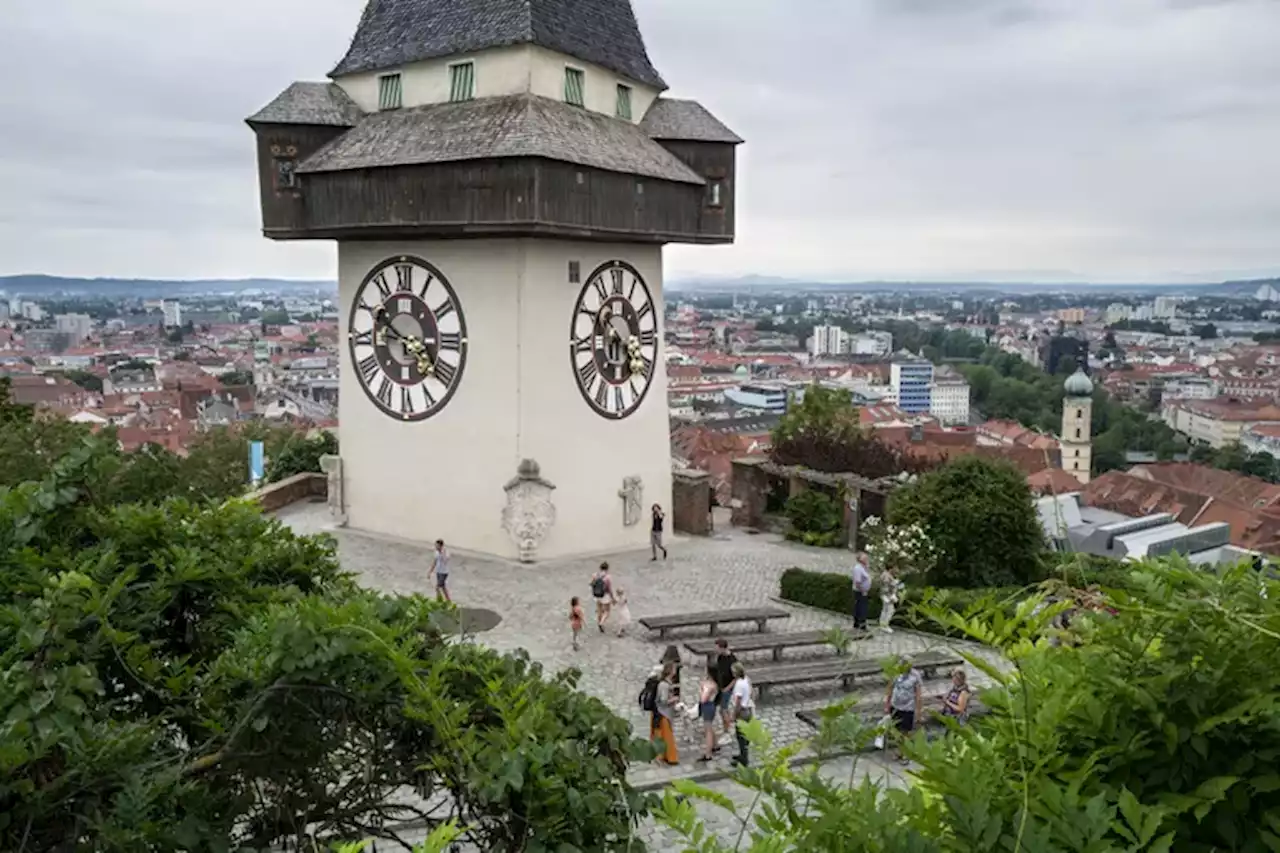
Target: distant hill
[(152, 288)]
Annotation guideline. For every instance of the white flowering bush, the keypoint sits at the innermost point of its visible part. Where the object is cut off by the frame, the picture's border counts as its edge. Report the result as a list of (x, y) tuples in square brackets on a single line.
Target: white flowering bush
[(904, 549)]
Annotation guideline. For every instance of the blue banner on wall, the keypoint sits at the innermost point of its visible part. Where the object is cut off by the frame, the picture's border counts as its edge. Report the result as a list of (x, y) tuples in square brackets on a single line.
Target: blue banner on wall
[(257, 464)]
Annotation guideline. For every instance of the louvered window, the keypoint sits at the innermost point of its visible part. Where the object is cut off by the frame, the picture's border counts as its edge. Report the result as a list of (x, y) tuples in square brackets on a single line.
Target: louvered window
[(575, 85), (462, 81), (624, 102), (390, 96)]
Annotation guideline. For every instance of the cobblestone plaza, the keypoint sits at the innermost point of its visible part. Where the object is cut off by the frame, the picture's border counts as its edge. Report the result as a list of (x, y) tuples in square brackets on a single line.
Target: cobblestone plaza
[(733, 569)]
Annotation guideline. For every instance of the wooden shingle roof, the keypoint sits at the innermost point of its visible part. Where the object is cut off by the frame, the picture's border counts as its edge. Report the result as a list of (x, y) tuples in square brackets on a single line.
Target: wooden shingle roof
[(322, 104), (508, 126), (680, 120), (395, 32)]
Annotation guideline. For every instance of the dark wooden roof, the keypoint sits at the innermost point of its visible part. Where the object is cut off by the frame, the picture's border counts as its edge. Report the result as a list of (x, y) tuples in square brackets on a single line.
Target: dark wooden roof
[(689, 121), (320, 104), (508, 126), (395, 32)]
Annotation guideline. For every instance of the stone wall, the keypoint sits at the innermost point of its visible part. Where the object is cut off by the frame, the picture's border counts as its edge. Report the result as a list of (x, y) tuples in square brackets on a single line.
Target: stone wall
[(299, 487), (750, 492), (691, 502)]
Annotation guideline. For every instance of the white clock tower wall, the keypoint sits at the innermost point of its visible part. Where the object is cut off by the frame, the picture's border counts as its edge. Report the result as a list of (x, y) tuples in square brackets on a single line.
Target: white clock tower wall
[(585, 455), (435, 478), (517, 398)]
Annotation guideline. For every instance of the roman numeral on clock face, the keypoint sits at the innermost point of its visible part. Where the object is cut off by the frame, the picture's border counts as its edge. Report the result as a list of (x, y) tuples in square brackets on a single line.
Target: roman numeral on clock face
[(406, 401), (380, 282), (445, 372), (368, 368), (616, 275), (450, 341), (588, 373), (404, 277), (384, 392)]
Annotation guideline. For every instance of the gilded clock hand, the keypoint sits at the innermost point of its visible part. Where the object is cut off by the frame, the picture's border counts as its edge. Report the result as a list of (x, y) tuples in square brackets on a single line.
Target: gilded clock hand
[(413, 346)]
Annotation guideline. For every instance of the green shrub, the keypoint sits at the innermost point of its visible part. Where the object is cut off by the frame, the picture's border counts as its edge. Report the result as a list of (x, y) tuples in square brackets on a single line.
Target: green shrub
[(834, 591), (1082, 570), (979, 517), (828, 590), (816, 519)]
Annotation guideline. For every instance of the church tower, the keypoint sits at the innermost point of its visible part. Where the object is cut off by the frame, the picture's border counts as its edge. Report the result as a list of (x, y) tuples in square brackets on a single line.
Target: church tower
[(500, 177), (1077, 425)]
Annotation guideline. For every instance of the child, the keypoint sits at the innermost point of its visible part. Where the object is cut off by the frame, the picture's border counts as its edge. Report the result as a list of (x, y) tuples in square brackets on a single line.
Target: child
[(576, 620), (622, 612)]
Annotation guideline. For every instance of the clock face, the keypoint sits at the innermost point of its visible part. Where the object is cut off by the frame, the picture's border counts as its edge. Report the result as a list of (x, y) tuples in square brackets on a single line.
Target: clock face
[(613, 340), (408, 338)]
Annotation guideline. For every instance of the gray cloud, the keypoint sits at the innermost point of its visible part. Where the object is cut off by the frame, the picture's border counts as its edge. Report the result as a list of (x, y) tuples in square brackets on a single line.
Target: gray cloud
[(1115, 139)]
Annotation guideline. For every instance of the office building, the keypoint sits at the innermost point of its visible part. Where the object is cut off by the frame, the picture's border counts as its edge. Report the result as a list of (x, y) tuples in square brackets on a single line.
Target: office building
[(911, 384), (828, 340)]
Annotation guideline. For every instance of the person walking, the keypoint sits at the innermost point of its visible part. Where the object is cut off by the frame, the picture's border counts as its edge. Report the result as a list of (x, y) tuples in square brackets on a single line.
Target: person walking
[(576, 620), (602, 592), (744, 710), (660, 728), (440, 568), (902, 702), (861, 590), (622, 612), (890, 591), (724, 661), (708, 696), (655, 534)]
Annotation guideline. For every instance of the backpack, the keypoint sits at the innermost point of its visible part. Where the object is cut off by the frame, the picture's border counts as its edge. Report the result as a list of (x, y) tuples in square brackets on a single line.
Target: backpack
[(597, 586), (649, 695)]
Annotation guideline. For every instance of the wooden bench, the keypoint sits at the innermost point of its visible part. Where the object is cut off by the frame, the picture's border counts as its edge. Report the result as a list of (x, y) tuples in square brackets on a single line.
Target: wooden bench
[(758, 642), (931, 706), (714, 619), (842, 669)]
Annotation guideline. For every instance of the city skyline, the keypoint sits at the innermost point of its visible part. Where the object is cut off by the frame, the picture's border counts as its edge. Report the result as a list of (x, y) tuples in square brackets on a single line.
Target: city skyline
[(908, 140)]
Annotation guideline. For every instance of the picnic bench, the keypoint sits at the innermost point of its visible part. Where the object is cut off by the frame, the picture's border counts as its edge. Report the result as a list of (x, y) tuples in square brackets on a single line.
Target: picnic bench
[(714, 619), (842, 669), (758, 642)]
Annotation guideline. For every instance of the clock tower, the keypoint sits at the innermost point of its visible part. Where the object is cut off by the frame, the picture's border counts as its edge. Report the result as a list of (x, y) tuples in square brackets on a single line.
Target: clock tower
[(500, 177)]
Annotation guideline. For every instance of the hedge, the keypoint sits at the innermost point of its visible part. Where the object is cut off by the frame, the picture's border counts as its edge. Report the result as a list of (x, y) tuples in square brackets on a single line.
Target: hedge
[(834, 591)]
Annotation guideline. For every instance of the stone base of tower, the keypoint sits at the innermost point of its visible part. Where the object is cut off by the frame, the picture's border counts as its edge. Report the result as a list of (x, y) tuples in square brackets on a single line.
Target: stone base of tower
[(454, 475)]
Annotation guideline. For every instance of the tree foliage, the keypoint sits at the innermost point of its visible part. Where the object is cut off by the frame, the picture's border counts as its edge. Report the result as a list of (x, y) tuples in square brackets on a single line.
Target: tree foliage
[(1156, 728), (822, 431), (192, 677), (980, 521), (298, 454), (216, 466)]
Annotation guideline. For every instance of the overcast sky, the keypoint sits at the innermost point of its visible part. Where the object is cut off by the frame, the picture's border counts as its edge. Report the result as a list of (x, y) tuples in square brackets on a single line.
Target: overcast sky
[(1113, 140)]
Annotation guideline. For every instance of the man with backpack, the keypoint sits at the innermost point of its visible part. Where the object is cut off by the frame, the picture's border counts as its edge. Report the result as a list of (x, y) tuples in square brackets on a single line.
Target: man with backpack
[(602, 592), (723, 666)]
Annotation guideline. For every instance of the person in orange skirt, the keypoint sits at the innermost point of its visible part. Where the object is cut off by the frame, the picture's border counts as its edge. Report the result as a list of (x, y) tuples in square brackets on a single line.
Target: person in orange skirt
[(664, 707)]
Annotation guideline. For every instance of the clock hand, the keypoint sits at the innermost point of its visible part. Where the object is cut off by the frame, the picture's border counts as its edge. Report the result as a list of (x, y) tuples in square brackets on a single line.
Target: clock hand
[(412, 345)]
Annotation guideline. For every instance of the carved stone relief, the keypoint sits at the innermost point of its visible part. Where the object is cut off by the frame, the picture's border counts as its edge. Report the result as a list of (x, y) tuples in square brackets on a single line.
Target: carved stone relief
[(529, 512), (332, 467), (632, 494)]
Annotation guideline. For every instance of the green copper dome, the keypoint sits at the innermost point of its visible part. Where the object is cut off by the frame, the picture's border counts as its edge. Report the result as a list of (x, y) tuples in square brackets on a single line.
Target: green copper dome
[(1078, 384)]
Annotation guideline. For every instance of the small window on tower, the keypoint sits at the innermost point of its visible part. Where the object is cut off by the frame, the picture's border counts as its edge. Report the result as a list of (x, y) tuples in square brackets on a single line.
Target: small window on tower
[(462, 81), (286, 173), (624, 102), (390, 96), (575, 272), (575, 84), (1079, 413), (1077, 432), (714, 190)]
